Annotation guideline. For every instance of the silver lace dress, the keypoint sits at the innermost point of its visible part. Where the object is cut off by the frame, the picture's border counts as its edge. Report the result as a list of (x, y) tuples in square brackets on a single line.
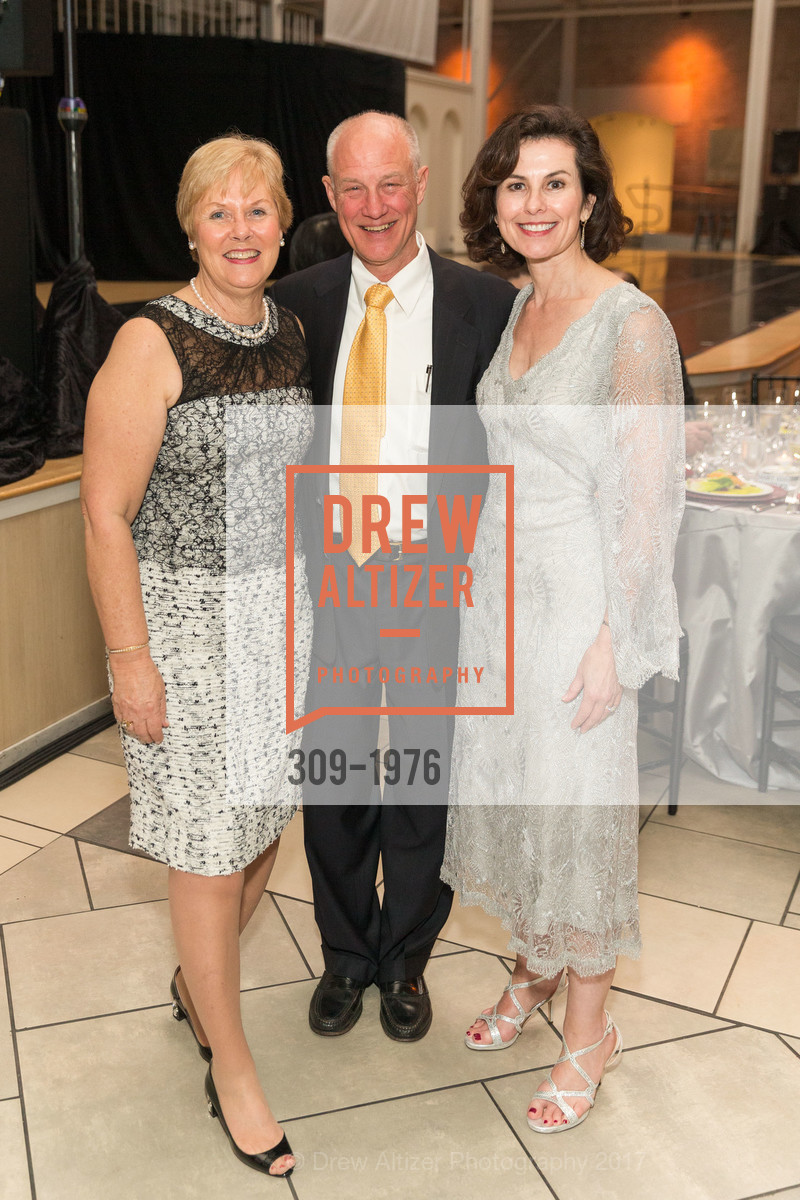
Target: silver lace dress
[(211, 541), (542, 826)]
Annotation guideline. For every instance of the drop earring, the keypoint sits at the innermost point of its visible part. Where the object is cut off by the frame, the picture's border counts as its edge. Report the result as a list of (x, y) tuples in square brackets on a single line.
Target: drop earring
[(502, 247), (283, 241), (191, 245), (583, 233)]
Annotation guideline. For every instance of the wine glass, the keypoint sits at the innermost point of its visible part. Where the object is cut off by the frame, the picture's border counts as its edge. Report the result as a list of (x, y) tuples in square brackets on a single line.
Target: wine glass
[(751, 454)]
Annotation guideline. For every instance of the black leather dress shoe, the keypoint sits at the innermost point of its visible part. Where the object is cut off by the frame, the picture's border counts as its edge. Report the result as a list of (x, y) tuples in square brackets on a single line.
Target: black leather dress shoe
[(336, 1004), (405, 1009)]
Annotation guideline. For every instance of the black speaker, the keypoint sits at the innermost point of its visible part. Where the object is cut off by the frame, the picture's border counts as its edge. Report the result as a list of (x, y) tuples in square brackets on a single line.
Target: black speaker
[(17, 275), (26, 37), (779, 222), (785, 152)]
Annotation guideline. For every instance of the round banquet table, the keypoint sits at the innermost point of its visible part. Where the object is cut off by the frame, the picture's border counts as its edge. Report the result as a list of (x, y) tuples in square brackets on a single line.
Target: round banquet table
[(734, 571)]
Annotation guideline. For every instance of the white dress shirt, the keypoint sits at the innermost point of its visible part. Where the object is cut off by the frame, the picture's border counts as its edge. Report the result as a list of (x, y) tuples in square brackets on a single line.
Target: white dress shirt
[(409, 362)]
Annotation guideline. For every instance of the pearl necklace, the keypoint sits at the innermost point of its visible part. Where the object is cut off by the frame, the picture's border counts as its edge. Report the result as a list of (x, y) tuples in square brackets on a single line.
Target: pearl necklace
[(250, 334)]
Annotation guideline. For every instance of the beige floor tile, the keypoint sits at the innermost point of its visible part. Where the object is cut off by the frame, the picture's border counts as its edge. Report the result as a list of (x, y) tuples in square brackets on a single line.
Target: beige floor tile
[(15, 1181), (794, 903), (649, 749), (645, 811), (47, 884), (8, 1067), (97, 962), (269, 956), (471, 926), (765, 985), (12, 852), (115, 1108), (313, 1074), (776, 825), (300, 917), (714, 872), (643, 1021), (31, 834), (698, 786), (686, 956), (65, 792), (451, 1145), (651, 787), (105, 746), (115, 959), (118, 878), (792, 920), (794, 1043), (641, 1144), (290, 875), (441, 947)]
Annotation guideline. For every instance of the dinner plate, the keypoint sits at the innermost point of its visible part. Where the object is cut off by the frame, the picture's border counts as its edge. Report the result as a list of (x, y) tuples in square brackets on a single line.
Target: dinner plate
[(764, 493)]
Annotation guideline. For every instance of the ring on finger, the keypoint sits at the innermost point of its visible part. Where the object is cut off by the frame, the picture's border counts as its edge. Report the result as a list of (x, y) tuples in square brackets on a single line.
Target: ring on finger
[(611, 708)]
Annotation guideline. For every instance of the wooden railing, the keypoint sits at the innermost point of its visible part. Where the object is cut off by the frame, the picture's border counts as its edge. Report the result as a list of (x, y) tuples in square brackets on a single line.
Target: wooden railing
[(714, 209)]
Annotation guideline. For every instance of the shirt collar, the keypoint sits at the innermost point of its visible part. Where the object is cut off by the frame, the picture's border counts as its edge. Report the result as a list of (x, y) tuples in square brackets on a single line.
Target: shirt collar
[(407, 285)]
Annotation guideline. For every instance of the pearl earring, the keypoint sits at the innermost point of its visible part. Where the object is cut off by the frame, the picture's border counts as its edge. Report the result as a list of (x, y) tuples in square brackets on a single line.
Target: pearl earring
[(191, 245), (283, 241)]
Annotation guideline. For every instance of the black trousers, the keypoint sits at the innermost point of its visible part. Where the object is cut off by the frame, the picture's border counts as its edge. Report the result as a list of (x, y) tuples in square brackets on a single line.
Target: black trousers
[(360, 810)]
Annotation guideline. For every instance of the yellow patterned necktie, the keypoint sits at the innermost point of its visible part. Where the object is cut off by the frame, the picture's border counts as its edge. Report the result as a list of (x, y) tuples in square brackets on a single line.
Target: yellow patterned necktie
[(364, 411)]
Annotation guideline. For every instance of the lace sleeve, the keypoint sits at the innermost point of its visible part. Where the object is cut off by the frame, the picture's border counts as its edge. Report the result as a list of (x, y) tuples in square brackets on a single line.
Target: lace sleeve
[(641, 495)]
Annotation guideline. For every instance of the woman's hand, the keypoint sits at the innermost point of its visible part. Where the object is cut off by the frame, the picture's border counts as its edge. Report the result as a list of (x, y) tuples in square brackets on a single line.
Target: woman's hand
[(596, 677), (699, 434), (139, 696)]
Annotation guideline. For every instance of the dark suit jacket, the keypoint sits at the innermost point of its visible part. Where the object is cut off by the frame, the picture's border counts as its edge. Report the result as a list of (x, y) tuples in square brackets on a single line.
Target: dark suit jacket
[(470, 311)]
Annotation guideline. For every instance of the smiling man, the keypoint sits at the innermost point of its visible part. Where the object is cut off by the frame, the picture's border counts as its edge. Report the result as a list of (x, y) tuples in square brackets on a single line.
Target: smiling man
[(437, 324)]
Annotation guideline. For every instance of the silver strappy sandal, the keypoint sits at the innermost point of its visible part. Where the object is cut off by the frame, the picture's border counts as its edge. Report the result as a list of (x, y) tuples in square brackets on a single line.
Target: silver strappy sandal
[(518, 1021), (558, 1096)]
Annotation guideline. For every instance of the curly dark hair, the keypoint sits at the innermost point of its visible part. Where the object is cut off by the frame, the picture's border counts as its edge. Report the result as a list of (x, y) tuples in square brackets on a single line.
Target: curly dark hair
[(498, 157)]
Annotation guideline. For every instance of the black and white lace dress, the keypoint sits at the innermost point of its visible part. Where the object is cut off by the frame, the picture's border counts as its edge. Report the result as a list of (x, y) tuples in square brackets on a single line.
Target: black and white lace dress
[(211, 540)]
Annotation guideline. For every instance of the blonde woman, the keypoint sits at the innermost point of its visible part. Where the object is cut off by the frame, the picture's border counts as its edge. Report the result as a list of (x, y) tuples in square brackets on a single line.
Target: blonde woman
[(178, 376)]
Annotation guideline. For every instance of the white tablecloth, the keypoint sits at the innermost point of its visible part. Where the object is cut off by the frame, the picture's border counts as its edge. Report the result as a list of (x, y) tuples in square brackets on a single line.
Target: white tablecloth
[(734, 571)]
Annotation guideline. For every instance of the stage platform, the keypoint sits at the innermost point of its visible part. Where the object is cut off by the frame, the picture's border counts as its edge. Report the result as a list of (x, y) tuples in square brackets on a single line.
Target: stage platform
[(710, 298)]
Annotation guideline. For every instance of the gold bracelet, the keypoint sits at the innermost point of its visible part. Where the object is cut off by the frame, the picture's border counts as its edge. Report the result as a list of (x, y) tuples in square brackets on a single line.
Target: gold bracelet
[(127, 649)]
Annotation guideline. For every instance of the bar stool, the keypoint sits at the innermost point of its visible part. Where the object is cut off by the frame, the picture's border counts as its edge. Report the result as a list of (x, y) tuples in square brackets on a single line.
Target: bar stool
[(783, 649), (649, 705)]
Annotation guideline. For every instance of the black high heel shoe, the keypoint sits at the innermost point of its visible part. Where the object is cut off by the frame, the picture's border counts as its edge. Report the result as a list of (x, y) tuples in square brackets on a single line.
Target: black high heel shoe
[(259, 1162), (180, 1014)]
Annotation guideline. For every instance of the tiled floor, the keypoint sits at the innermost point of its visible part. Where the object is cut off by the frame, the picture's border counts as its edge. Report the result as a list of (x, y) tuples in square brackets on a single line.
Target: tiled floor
[(101, 1092)]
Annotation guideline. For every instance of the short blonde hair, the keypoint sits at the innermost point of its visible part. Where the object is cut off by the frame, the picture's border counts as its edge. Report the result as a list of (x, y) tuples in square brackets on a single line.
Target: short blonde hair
[(212, 165)]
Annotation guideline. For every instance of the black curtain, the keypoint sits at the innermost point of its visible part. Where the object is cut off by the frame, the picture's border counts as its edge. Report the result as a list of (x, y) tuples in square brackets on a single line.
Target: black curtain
[(151, 101)]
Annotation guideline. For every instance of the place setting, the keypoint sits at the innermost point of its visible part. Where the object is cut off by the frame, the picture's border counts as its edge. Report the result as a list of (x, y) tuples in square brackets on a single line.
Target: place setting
[(752, 460)]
